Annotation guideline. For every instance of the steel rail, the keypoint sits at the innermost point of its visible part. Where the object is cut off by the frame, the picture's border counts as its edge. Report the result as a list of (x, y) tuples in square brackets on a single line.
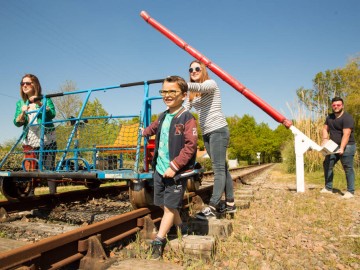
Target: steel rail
[(48, 200), (58, 249), (61, 250)]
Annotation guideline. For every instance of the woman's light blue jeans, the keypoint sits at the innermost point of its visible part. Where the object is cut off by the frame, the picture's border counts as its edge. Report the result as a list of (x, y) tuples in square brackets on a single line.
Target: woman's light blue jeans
[(347, 161), (216, 143)]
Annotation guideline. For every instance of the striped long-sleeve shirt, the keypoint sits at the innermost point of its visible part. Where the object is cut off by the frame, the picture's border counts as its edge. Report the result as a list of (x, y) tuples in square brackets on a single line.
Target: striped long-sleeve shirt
[(207, 105)]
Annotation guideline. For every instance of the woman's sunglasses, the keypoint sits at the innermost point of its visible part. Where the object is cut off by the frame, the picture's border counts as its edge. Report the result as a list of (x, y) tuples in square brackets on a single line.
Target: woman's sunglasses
[(197, 69), (25, 83)]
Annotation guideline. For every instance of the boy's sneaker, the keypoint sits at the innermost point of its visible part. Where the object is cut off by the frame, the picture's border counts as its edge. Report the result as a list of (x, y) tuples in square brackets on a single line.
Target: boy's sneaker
[(206, 213), (157, 249), (231, 208), (348, 195), (326, 191)]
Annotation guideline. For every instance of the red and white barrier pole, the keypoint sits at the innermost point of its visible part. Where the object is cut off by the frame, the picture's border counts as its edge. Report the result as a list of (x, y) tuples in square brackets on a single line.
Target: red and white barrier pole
[(218, 71), (302, 142)]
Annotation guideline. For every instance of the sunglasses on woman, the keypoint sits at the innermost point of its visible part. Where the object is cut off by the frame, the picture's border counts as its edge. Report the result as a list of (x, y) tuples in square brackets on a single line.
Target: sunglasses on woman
[(25, 83), (197, 69)]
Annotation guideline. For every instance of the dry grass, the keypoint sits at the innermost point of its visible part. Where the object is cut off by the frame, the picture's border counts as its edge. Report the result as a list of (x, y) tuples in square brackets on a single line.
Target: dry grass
[(288, 230), (284, 229)]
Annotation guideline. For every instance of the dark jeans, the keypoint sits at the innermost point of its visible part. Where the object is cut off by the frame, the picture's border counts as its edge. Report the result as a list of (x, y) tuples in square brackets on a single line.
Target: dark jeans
[(216, 143), (347, 161)]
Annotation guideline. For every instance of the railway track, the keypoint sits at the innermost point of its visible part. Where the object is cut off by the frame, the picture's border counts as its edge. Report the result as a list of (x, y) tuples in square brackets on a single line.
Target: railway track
[(86, 244), (50, 201)]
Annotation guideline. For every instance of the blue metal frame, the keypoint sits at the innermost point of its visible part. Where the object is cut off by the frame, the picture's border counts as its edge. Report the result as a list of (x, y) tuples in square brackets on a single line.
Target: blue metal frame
[(63, 164)]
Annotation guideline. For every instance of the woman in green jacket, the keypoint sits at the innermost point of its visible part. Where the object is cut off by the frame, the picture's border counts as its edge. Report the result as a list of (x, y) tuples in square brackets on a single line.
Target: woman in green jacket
[(30, 88)]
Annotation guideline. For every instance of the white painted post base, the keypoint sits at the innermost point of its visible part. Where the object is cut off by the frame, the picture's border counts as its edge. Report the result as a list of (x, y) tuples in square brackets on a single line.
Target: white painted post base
[(302, 144)]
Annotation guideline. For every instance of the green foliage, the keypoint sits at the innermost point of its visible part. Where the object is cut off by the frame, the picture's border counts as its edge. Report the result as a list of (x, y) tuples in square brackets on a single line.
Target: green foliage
[(200, 138), (351, 75), (9, 143), (205, 163), (13, 161), (96, 130), (247, 138), (243, 137), (326, 85), (343, 82), (289, 158)]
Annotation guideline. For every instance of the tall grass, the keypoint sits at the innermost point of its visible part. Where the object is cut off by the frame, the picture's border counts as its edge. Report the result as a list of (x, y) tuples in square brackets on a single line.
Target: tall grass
[(310, 123)]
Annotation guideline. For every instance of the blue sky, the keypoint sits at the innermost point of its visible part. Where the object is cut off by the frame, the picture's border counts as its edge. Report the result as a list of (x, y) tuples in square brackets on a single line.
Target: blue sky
[(272, 47)]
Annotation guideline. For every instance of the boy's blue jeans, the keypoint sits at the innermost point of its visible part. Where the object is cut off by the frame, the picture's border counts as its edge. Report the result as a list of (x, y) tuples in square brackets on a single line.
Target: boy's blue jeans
[(347, 161), (216, 143)]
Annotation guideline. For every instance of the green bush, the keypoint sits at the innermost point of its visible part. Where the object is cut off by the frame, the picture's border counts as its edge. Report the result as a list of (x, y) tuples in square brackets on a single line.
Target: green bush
[(205, 163), (13, 161), (289, 158)]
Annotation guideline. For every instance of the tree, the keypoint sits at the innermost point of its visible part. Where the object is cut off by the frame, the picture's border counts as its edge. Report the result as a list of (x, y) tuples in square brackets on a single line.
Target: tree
[(342, 82), (351, 78), (266, 143), (242, 137), (68, 105), (90, 132), (282, 136)]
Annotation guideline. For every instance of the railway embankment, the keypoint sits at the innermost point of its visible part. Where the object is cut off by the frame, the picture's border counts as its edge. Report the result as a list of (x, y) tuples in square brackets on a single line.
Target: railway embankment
[(284, 229), (275, 228)]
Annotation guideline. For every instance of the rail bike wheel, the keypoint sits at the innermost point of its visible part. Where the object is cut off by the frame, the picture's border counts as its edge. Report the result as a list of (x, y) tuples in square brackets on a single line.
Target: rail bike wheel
[(141, 194), (192, 184), (15, 188), (92, 184)]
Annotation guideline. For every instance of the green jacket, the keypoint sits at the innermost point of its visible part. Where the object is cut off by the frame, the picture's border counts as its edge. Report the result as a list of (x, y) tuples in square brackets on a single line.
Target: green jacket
[(48, 117)]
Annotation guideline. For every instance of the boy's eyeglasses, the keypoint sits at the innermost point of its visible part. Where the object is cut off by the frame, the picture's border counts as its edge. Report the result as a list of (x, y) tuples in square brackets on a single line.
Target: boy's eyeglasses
[(197, 69), (171, 93), (25, 83)]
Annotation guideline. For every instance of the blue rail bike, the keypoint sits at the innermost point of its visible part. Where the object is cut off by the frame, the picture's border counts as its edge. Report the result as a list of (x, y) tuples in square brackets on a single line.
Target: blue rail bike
[(90, 149)]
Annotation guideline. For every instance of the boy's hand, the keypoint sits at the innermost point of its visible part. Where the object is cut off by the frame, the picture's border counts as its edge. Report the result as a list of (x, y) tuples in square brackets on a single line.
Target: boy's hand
[(141, 129), (169, 173)]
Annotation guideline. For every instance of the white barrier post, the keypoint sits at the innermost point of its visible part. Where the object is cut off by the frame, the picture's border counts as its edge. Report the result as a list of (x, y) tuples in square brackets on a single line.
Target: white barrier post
[(302, 144)]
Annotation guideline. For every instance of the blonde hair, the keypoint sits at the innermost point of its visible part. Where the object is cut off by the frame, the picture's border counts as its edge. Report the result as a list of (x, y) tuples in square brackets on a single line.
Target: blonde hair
[(204, 74), (203, 77)]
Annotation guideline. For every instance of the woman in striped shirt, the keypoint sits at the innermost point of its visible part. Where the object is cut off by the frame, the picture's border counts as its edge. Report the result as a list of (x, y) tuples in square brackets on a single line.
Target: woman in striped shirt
[(204, 96)]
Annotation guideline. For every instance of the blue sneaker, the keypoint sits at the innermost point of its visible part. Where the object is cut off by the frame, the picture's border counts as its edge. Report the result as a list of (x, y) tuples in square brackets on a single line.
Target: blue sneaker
[(157, 249)]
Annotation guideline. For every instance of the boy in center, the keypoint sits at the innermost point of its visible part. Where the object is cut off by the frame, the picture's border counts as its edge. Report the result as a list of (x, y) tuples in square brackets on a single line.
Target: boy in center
[(175, 152)]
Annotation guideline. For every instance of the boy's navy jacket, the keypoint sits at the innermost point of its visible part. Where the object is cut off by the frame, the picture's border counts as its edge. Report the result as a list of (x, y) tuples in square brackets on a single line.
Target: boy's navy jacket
[(182, 140)]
